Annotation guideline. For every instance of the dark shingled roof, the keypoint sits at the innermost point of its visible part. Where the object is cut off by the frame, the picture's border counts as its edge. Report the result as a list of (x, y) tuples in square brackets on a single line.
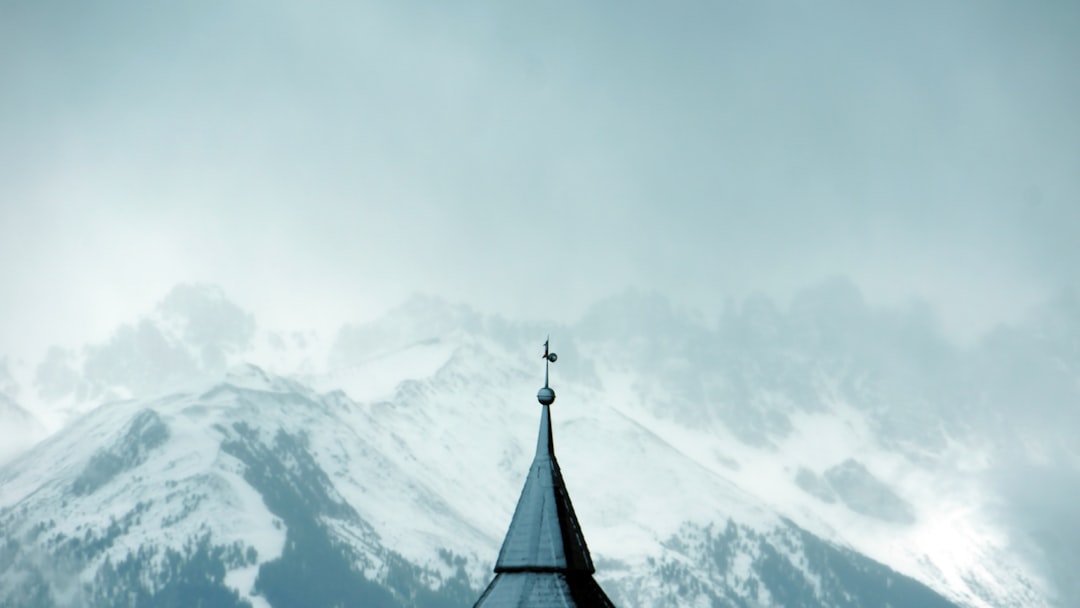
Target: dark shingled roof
[(544, 560)]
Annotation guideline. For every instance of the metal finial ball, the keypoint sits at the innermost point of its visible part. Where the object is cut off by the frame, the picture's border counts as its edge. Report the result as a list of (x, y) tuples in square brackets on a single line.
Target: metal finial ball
[(552, 357), (546, 396)]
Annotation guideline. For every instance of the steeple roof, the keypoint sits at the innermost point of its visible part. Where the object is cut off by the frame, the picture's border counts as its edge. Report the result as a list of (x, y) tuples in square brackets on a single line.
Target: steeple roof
[(544, 561), (544, 534)]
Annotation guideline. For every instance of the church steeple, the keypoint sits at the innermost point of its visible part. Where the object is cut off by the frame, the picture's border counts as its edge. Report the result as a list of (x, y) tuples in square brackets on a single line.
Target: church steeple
[(544, 560)]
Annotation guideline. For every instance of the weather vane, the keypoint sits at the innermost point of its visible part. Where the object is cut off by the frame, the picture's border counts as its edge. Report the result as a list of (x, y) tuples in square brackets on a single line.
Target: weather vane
[(546, 396)]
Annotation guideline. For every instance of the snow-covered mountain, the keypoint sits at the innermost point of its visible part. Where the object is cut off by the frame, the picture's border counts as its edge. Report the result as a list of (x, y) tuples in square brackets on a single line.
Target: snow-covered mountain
[(826, 455)]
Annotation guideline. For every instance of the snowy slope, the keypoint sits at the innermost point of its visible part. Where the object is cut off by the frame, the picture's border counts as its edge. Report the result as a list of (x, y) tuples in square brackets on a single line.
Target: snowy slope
[(151, 480), (428, 472), (721, 468)]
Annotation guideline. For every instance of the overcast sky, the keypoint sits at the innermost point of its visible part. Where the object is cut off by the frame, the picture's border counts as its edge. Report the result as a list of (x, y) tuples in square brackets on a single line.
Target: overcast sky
[(321, 161)]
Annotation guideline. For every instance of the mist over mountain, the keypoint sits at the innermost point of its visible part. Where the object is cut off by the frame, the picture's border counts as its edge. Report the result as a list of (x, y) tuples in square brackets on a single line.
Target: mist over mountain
[(837, 429), (734, 429), (189, 336)]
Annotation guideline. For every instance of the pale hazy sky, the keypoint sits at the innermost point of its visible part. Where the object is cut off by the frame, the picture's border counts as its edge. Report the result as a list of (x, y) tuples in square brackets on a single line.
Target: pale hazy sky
[(321, 161)]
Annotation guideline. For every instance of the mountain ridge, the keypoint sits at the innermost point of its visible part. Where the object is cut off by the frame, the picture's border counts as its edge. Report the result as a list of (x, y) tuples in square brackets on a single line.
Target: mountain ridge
[(309, 509), (746, 405)]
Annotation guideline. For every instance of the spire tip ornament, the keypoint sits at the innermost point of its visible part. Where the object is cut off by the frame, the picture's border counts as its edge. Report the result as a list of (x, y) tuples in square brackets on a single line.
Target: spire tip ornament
[(546, 396)]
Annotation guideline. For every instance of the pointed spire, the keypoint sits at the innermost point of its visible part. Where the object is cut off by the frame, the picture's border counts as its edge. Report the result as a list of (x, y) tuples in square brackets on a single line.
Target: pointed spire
[(544, 560), (544, 535)]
